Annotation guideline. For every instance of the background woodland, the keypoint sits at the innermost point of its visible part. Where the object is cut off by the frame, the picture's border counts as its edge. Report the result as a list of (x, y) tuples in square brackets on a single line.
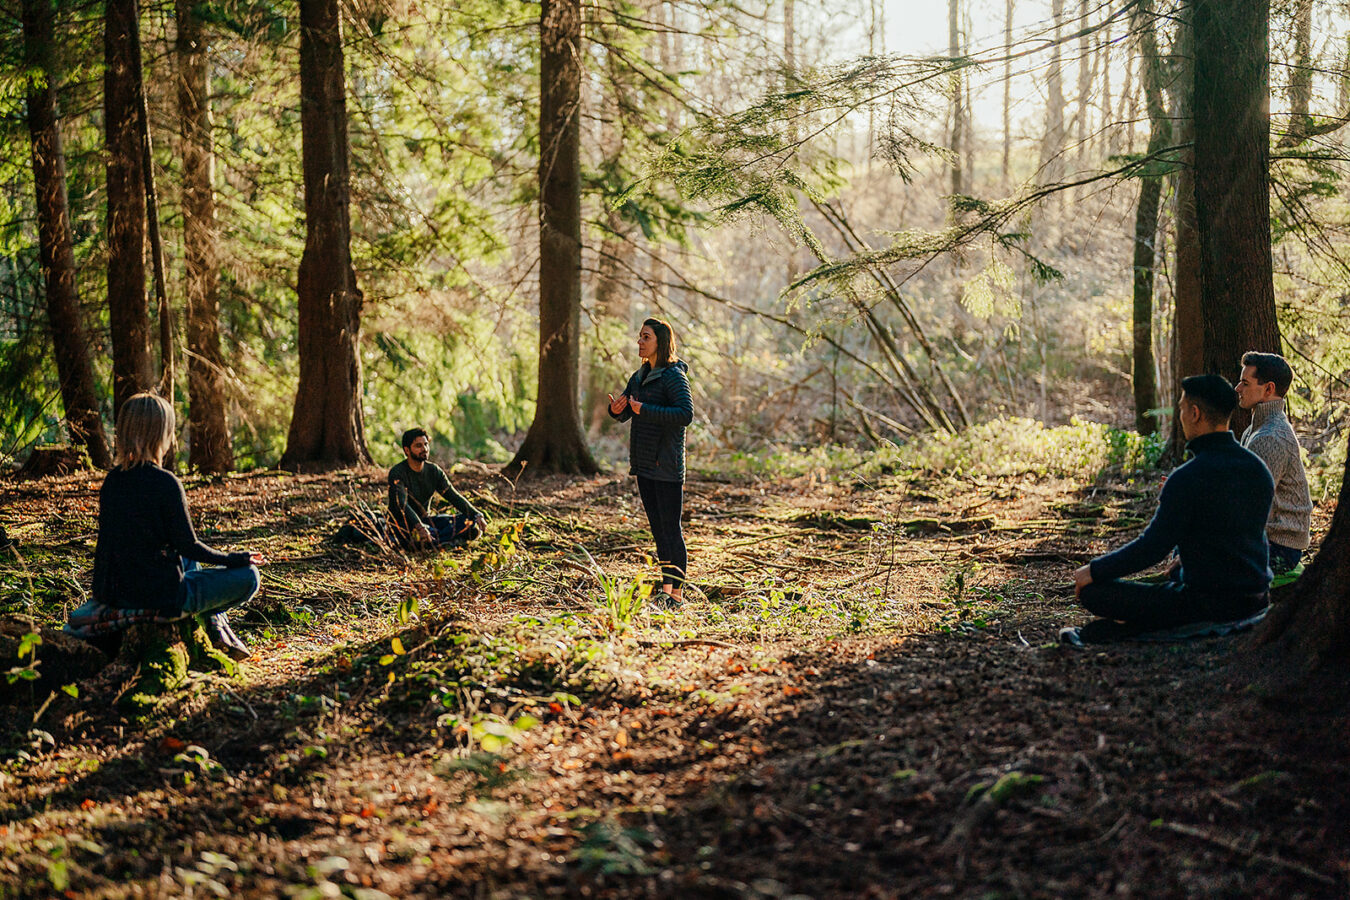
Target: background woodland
[(854, 245)]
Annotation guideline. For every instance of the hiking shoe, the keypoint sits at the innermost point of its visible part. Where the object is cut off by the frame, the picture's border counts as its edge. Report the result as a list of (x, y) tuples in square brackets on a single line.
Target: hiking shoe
[(661, 601), (1107, 631), (224, 639), (1098, 631)]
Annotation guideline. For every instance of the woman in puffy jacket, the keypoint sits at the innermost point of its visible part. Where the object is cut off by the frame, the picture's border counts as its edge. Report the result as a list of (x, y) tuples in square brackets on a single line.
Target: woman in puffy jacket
[(658, 401)]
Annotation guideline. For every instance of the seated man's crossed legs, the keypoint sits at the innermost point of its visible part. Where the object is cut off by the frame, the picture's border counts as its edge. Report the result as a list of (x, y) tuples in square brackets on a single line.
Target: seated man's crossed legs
[(1136, 607), (455, 528)]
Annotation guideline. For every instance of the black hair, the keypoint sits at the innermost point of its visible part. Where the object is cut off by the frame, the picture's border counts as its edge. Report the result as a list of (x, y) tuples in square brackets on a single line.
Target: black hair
[(1213, 395), (1270, 367), (413, 434), (665, 342)]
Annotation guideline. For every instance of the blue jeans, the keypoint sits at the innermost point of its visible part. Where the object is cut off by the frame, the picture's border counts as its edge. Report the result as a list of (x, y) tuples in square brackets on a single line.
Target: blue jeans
[(454, 528), (215, 589)]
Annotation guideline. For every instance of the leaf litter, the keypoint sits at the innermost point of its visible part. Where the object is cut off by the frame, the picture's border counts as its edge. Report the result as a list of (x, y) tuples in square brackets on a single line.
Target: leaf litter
[(860, 698)]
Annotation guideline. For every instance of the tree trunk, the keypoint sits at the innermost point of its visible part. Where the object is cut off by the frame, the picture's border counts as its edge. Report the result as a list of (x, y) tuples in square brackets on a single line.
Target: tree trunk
[(1104, 99), (155, 244), (70, 340), (1052, 143), (1125, 110), (208, 436), (1146, 223), (328, 424), (123, 108), (1007, 94), (612, 305), (1310, 625), (1044, 220), (956, 134), (554, 442), (614, 267), (1232, 188), (1188, 326), (789, 84), (1084, 84), (1300, 79)]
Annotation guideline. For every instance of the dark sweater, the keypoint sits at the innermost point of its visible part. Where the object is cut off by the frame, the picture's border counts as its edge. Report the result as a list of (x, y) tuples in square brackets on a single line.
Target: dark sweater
[(144, 533), (656, 442), (410, 494), (1213, 510)]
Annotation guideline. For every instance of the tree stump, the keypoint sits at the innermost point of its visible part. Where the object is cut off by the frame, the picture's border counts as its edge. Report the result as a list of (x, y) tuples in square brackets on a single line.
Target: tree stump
[(160, 657), (55, 660), (53, 459), (155, 658)]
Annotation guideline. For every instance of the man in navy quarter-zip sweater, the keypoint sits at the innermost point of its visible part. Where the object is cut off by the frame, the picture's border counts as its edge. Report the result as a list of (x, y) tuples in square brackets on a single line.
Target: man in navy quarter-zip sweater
[(1212, 511)]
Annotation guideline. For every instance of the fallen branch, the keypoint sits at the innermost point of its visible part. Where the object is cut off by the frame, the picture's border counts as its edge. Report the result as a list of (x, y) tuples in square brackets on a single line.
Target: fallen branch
[(691, 642)]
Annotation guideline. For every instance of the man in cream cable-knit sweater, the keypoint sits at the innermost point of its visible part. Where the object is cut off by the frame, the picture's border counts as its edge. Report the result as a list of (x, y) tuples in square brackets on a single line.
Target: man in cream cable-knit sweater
[(1261, 388)]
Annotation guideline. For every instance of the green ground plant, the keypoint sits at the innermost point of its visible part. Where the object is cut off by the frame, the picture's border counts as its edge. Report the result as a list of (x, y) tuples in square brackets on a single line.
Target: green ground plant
[(1001, 448)]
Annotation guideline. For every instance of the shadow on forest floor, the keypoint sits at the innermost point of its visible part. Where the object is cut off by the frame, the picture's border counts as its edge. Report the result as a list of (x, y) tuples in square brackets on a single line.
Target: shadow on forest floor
[(868, 703)]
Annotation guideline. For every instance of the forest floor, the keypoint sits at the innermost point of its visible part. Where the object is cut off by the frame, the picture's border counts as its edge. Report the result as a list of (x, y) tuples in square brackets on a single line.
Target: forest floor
[(865, 699)]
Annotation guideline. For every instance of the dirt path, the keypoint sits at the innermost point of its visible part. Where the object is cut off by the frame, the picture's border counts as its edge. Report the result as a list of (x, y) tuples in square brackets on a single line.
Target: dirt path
[(866, 702)]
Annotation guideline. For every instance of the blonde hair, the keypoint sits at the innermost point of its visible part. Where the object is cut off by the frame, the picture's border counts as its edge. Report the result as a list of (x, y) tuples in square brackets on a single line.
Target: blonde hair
[(145, 429)]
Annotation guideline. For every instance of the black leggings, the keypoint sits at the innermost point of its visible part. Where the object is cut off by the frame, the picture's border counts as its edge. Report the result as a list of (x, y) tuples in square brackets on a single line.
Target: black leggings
[(663, 501), (1152, 607)]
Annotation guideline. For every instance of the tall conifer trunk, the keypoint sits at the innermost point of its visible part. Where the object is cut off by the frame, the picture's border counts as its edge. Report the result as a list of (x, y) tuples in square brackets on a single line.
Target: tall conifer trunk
[(1309, 626), (123, 108), (1232, 183), (1188, 328), (208, 437), (554, 442), (328, 424), (1146, 224), (70, 339)]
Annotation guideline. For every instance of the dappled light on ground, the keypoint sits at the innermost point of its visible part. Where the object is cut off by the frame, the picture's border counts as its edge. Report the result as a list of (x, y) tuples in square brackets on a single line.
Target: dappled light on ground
[(860, 698)]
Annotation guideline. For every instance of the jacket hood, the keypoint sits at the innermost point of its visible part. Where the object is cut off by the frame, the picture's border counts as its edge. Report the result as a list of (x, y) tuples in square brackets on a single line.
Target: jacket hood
[(647, 373)]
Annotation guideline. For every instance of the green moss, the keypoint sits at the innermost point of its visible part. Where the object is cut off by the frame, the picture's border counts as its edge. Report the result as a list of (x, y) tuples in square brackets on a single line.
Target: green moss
[(202, 656), (163, 669)]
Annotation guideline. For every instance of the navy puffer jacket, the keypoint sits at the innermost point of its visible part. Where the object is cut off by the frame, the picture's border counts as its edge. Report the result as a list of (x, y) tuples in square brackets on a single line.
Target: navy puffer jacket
[(656, 442)]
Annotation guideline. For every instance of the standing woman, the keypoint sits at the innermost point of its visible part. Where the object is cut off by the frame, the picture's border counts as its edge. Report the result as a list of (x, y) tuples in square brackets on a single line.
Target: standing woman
[(658, 402), (147, 552)]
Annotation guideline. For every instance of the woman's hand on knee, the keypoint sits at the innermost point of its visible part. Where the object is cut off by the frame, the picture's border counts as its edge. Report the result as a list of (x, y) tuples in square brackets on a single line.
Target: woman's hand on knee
[(1082, 577)]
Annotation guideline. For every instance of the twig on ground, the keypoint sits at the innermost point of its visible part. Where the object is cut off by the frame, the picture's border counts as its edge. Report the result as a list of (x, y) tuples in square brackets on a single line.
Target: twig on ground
[(1097, 779), (1234, 847), (691, 642), (248, 706)]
